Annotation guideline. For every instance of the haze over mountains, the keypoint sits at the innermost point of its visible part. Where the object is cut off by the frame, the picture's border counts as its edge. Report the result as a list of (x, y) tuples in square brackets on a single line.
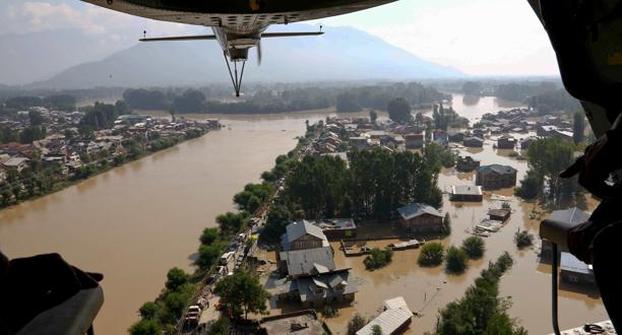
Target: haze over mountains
[(70, 60)]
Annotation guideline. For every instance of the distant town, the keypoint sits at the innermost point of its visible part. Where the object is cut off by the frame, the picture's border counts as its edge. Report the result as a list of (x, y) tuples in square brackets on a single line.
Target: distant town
[(43, 149)]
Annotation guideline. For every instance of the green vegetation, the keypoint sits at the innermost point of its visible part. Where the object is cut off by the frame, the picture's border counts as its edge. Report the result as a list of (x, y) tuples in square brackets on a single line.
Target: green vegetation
[(375, 185), (456, 260), (440, 156), (445, 118), (102, 116), (432, 254), (221, 326), (446, 229), (164, 312), (547, 158), (481, 311), (474, 247), (376, 330), (253, 196), (378, 258), (242, 293), (472, 88), (346, 98), (63, 102), (399, 110), (373, 116), (355, 324), (547, 102), (523, 239)]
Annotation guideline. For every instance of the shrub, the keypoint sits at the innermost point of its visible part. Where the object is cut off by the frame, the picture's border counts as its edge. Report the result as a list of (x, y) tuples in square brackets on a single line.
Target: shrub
[(378, 258), (474, 247), (355, 324), (431, 254), (523, 239), (456, 260)]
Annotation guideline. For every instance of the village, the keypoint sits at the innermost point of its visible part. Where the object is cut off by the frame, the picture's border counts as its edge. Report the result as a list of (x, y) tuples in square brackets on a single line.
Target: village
[(309, 274), (69, 149)]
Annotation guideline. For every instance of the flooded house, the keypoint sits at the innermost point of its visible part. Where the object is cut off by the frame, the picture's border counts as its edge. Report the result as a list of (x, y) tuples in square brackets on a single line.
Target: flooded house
[(495, 176), (473, 142), (468, 193), (300, 323), (499, 214), (316, 290), (296, 263), (506, 142), (466, 164), (570, 215), (394, 319), (303, 235), (414, 141), (420, 218), (455, 136), (574, 271), (337, 229)]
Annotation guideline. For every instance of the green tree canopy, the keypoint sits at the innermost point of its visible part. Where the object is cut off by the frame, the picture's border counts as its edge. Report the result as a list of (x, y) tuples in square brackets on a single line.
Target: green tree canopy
[(474, 247), (431, 254), (175, 278), (399, 110), (456, 260), (242, 293)]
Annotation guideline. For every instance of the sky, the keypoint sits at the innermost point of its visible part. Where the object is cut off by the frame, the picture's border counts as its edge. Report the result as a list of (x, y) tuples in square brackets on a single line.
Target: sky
[(477, 37)]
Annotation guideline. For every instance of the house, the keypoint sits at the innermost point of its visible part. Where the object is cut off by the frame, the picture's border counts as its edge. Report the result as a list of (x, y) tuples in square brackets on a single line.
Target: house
[(455, 137), (479, 133), (414, 141), (506, 142), (16, 163), (318, 289), (360, 142), (466, 164), (440, 137), (302, 262), (495, 176), (499, 214), (303, 235), (418, 218), (473, 142), (570, 215), (466, 193), (337, 229), (395, 318), (303, 322), (573, 271)]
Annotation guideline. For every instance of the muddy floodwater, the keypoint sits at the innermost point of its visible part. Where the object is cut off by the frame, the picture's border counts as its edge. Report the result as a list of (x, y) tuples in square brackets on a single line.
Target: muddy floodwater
[(135, 222)]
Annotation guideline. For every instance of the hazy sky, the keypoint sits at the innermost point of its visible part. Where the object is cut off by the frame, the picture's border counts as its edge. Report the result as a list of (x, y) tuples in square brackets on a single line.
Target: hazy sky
[(478, 37)]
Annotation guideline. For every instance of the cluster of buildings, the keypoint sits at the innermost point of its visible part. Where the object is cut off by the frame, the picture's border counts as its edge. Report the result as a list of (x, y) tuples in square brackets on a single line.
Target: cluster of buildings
[(306, 262), (67, 148)]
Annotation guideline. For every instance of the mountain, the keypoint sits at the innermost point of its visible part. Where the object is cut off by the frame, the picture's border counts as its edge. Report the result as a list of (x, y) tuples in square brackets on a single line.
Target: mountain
[(341, 54), (36, 56)]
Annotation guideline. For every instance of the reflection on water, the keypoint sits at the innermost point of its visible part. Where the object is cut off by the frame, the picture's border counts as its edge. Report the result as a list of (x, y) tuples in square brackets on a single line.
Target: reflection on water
[(135, 222), (470, 100)]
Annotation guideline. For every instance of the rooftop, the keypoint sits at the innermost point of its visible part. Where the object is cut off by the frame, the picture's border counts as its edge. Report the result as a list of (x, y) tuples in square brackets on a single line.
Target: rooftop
[(570, 215), (466, 190), (417, 209), (308, 261), (570, 263), (300, 323), (496, 168)]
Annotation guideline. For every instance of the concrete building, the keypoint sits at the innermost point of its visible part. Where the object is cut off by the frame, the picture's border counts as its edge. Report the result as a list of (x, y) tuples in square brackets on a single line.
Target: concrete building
[(420, 218), (466, 193), (495, 176), (16, 163)]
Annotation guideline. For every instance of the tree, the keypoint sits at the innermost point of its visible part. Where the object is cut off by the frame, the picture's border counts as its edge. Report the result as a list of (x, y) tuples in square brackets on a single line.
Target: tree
[(347, 103), (446, 230), (36, 119), (278, 218), (232, 223), (474, 247), (209, 255), (456, 260), (222, 326), (192, 101), (242, 293), (209, 236), (523, 239), (373, 116), (530, 186), (578, 128), (376, 330), (146, 327), (175, 278), (399, 110), (480, 311), (355, 324), (431, 254), (378, 258), (149, 310), (472, 88)]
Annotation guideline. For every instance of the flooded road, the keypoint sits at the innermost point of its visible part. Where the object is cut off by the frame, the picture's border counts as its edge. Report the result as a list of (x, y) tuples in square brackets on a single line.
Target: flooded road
[(137, 221)]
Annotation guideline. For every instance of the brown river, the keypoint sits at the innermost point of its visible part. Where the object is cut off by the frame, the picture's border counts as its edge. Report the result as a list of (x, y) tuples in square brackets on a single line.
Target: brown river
[(135, 222)]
